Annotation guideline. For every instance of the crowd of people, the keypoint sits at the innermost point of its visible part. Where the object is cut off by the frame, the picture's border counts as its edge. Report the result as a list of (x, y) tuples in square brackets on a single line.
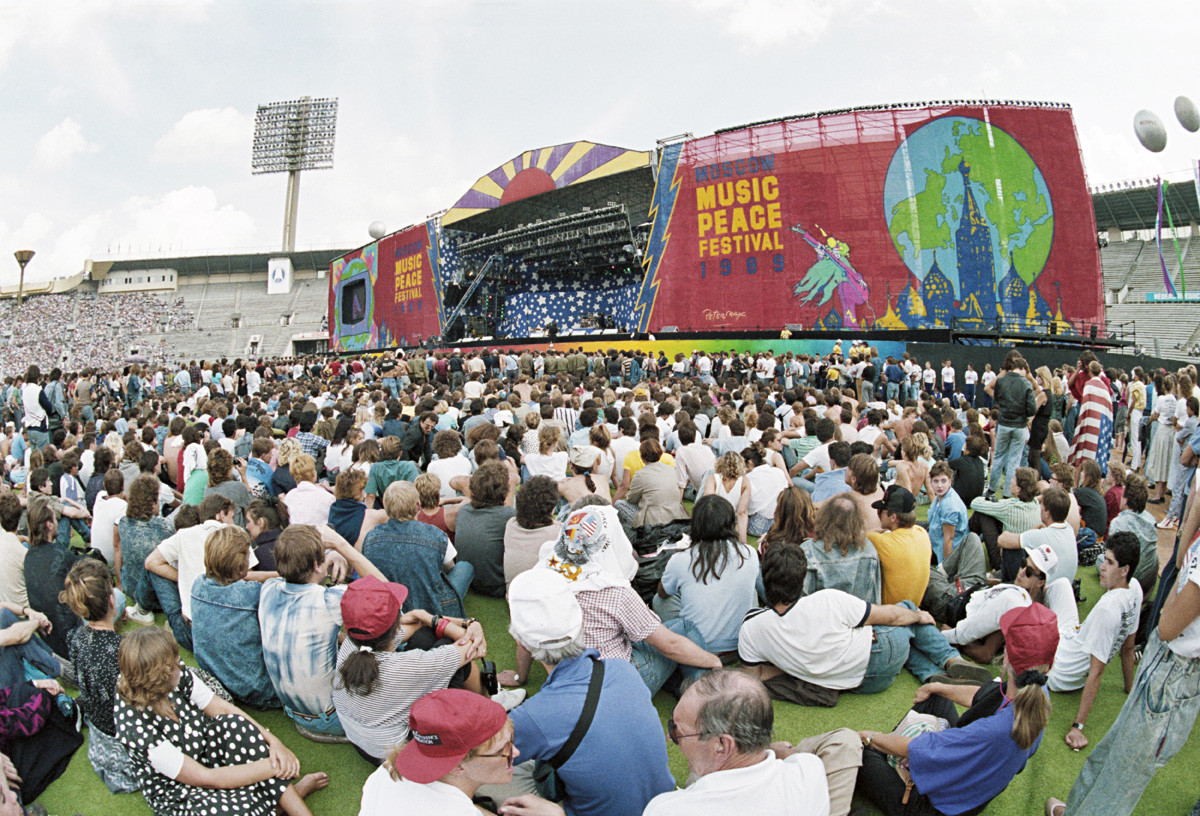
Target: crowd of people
[(98, 330), (738, 530)]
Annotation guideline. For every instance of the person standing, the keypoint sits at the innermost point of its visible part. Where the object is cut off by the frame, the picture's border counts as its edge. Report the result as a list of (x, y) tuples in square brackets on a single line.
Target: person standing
[(1016, 402)]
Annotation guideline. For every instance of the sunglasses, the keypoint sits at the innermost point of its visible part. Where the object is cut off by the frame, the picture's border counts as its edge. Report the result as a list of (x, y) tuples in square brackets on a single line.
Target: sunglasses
[(507, 753), (1032, 572), (673, 732)]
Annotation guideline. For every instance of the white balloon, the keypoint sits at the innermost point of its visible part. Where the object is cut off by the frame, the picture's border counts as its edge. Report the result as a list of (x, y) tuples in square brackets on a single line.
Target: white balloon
[(1187, 114), (1150, 131), (377, 230)]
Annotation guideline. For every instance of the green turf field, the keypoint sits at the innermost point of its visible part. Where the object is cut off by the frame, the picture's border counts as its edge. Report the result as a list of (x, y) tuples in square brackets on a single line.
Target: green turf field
[(1050, 773)]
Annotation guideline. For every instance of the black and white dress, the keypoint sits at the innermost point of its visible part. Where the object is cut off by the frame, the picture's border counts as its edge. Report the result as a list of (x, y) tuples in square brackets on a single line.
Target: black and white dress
[(158, 745)]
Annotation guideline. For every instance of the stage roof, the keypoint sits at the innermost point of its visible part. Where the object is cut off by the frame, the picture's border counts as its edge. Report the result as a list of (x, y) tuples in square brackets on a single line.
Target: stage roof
[(1133, 205), (548, 181)]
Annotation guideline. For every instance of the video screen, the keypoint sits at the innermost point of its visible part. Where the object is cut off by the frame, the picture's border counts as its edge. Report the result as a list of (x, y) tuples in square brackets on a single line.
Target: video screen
[(354, 302)]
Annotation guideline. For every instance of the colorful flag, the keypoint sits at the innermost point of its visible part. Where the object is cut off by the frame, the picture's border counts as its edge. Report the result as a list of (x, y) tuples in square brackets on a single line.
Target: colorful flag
[(1094, 428)]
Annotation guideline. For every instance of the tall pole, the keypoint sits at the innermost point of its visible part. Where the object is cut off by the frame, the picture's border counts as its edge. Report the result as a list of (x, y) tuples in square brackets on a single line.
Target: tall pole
[(23, 256), (290, 210)]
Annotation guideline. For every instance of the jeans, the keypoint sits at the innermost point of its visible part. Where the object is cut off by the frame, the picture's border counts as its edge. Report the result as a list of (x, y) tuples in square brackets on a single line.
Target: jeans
[(893, 391), (1006, 458), (918, 647), (460, 577), (13, 658), (389, 385), (168, 597), (656, 668), (326, 724), (1153, 725)]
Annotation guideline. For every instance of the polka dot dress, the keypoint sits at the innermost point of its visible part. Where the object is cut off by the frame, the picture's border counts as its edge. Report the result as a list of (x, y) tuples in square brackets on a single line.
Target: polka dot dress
[(213, 742)]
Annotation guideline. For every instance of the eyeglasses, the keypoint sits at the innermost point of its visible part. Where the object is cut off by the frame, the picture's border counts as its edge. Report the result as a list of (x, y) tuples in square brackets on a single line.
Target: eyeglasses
[(507, 753), (1033, 573), (673, 732)]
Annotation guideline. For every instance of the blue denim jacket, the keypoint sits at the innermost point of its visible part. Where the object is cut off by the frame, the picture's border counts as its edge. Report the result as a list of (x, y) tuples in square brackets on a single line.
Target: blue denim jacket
[(412, 553)]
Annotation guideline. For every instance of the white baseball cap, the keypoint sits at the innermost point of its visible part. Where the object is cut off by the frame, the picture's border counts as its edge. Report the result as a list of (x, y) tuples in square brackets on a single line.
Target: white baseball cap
[(543, 611)]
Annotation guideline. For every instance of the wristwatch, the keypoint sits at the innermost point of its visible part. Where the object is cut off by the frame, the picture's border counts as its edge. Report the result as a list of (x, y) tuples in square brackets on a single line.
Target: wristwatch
[(468, 621), (1078, 727)]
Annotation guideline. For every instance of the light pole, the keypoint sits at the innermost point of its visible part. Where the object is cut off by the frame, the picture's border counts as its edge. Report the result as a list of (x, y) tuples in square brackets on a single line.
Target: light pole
[(23, 256)]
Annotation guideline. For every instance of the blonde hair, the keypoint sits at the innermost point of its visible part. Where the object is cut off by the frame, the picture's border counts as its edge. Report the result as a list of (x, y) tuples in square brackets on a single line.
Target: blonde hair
[(401, 501), (1031, 712), (227, 554), (288, 449), (429, 490), (730, 465), (147, 659), (303, 468)]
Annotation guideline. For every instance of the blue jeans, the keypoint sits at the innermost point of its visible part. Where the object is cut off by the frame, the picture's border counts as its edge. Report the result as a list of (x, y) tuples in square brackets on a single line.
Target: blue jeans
[(893, 390), (918, 647), (460, 577), (168, 597), (389, 385), (1153, 725), (327, 724), (656, 668), (1006, 458), (13, 658)]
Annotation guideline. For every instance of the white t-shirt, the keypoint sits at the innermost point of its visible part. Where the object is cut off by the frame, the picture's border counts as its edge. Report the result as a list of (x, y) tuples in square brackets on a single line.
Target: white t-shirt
[(447, 469), (105, 516), (989, 377), (796, 786), (1187, 644), (822, 638), (553, 465), (970, 376), (984, 610), (621, 447), (766, 483), (1061, 539), (928, 376), (1112, 620), (383, 796), (185, 552), (948, 374)]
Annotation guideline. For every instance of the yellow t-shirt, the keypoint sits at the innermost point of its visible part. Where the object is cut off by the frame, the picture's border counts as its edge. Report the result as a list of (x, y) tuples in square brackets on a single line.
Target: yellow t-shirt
[(633, 461), (904, 557)]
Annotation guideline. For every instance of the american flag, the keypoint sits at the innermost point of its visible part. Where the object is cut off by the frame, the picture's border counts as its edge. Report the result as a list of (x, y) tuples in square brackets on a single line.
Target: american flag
[(1094, 429)]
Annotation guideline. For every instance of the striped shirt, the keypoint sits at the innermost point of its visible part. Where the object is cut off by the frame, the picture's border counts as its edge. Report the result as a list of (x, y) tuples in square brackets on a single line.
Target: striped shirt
[(1014, 515), (379, 721)]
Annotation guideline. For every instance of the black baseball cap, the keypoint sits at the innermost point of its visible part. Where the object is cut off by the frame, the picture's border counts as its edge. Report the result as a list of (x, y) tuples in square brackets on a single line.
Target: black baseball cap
[(896, 499)]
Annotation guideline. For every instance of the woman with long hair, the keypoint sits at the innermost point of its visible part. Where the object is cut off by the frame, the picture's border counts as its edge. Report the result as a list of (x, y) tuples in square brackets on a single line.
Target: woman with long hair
[(728, 480), (226, 480), (963, 767), (340, 451), (194, 753), (795, 520), (839, 554), (712, 582)]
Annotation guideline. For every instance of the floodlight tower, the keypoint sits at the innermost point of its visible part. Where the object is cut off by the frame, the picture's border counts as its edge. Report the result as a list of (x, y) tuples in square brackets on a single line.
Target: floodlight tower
[(290, 137)]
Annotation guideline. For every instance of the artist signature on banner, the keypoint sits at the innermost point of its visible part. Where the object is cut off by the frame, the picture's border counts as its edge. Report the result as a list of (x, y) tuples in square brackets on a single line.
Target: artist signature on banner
[(716, 314)]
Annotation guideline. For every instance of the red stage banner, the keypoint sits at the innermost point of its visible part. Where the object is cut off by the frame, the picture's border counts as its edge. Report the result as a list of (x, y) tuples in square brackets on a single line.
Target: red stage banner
[(888, 218)]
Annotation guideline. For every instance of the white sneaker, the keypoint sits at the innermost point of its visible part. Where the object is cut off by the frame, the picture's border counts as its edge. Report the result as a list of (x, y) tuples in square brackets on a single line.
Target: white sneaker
[(509, 698), (139, 615)]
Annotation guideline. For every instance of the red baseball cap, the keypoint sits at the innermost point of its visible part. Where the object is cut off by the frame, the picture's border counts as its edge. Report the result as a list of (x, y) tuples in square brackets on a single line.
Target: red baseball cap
[(371, 606), (1030, 636), (444, 726)]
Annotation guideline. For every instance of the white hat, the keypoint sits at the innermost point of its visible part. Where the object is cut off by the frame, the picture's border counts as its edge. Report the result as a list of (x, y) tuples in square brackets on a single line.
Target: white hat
[(543, 611), (1044, 557)]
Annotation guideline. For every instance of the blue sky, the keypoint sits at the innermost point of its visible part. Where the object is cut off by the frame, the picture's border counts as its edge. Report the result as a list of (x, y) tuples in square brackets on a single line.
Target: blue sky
[(128, 124)]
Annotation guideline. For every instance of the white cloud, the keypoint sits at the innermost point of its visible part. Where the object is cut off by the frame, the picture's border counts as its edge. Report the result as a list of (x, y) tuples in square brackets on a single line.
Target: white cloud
[(62, 143), (209, 133), (189, 220)]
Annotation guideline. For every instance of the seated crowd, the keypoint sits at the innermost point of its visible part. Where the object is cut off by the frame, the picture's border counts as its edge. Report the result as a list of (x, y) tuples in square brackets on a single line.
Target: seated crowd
[(734, 530)]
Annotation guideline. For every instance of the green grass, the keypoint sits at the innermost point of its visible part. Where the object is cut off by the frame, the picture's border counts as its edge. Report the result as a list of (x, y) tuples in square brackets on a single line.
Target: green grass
[(1050, 773)]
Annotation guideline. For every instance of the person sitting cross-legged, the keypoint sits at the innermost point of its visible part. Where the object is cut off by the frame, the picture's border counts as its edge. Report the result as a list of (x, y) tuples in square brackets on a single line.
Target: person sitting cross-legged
[(807, 648)]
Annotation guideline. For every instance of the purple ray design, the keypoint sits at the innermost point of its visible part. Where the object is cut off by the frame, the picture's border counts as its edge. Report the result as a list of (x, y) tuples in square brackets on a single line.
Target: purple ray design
[(598, 155)]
